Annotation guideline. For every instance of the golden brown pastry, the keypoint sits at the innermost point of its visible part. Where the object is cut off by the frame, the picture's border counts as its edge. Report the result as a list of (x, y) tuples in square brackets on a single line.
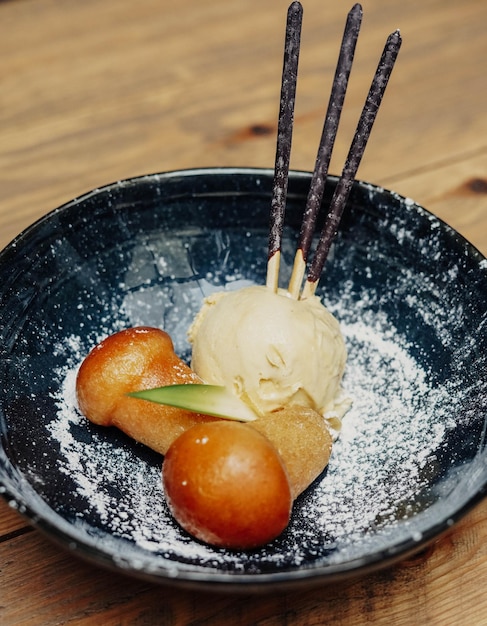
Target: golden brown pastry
[(226, 484), (132, 360), (303, 440)]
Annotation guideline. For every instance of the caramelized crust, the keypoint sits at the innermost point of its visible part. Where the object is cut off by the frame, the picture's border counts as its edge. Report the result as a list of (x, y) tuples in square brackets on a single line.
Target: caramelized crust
[(132, 360)]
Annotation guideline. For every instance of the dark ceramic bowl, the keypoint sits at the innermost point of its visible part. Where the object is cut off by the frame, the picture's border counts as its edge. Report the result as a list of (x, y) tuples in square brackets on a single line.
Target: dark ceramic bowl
[(410, 294)]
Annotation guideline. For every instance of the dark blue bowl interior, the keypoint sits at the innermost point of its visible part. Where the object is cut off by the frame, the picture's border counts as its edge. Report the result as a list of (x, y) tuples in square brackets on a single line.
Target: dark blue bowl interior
[(410, 294)]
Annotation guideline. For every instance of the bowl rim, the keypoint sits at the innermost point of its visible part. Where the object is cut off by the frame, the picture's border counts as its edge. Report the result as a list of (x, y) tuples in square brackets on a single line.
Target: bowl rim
[(230, 171)]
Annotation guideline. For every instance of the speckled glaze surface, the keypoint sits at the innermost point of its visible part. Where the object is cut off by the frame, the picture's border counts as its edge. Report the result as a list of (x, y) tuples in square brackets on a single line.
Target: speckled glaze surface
[(410, 295)]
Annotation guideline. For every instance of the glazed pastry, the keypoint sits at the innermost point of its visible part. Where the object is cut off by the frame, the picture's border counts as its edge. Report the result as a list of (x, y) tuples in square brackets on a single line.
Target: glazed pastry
[(130, 360)]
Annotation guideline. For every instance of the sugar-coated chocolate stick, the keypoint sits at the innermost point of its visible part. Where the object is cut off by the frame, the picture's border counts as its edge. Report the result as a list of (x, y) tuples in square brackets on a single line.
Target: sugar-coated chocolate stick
[(330, 126), (357, 148), (284, 139)]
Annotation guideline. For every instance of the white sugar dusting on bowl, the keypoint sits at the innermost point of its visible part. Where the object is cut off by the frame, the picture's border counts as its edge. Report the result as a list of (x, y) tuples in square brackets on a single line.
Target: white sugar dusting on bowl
[(383, 458)]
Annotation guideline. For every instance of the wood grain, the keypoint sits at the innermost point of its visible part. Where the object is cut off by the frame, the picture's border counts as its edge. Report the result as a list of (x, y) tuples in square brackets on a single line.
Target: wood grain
[(419, 591), (91, 92)]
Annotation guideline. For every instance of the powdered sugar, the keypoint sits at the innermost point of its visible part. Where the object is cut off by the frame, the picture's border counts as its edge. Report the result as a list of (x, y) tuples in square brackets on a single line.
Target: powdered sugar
[(381, 461)]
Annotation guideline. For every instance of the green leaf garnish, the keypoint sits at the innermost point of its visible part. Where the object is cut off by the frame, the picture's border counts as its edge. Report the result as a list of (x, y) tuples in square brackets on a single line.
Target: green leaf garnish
[(200, 398)]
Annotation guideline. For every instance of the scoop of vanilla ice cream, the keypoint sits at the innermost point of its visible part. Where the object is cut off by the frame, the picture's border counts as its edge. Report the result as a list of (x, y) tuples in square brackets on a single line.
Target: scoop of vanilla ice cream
[(271, 349)]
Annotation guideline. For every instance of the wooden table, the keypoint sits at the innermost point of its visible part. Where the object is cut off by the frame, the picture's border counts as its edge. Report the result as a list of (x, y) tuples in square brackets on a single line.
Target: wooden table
[(91, 92)]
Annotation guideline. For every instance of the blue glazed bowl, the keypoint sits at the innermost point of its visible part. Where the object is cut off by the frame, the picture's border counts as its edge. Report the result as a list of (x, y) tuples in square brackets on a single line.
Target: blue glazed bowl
[(409, 292)]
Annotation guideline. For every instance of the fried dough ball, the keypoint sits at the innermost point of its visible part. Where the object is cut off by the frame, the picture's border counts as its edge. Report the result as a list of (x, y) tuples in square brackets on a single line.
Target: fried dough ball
[(226, 485), (132, 360)]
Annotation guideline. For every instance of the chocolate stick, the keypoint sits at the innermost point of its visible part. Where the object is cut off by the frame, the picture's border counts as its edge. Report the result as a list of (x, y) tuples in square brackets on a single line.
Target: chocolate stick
[(330, 126), (284, 139), (352, 162)]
